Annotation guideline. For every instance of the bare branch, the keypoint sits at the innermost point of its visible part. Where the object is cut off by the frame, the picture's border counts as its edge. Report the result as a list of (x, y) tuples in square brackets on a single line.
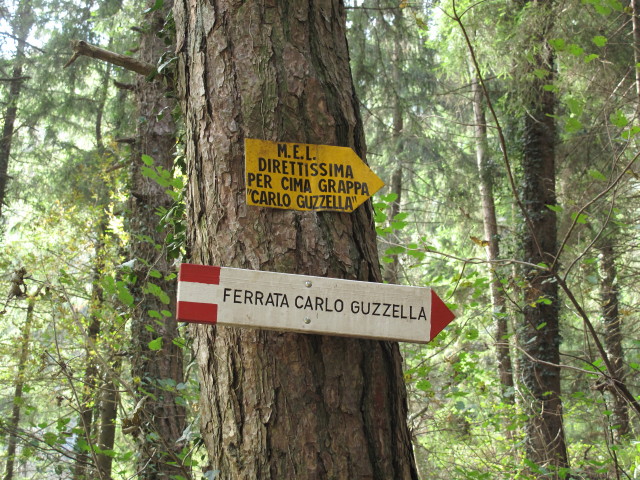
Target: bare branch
[(81, 47), (124, 86), (15, 79)]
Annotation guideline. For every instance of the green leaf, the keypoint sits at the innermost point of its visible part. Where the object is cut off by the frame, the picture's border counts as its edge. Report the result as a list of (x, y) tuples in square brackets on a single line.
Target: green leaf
[(149, 173), (177, 183), (50, 438), (599, 40), (575, 106), (155, 273), (558, 44), (575, 50), (615, 5), (175, 196), (550, 88), (179, 342), (632, 132), (156, 291), (108, 284), (618, 119), (540, 73), (471, 333), (555, 208), (424, 385), (124, 295), (597, 175), (572, 125), (590, 58), (389, 198), (148, 161), (155, 344), (417, 254), (602, 9), (580, 218)]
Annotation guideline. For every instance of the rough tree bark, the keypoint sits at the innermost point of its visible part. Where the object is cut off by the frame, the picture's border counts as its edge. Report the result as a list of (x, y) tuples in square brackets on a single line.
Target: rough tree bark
[(282, 405), (162, 418), (539, 333)]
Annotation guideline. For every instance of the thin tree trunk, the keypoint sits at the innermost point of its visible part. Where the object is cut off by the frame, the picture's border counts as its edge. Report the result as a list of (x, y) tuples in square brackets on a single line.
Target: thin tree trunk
[(14, 423), (282, 405), (619, 419), (635, 25), (109, 399), (539, 333), (163, 419), (85, 455), (498, 301), (391, 269), (22, 23)]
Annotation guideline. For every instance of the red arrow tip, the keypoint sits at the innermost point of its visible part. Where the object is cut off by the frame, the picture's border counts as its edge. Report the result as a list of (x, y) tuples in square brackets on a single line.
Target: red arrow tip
[(441, 316)]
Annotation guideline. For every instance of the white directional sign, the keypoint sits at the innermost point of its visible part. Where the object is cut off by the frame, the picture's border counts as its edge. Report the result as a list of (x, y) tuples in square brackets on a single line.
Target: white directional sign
[(301, 303)]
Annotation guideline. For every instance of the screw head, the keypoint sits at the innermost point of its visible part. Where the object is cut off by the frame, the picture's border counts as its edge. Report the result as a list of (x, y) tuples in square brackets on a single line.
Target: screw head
[(307, 320), (308, 284)]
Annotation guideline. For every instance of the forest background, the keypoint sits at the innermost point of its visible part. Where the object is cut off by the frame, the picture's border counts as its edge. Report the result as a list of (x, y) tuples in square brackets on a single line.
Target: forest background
[(506, 132)]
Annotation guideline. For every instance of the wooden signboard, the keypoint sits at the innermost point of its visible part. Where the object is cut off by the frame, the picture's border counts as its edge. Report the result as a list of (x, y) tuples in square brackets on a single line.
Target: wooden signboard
[(301, 176), (301, 303)]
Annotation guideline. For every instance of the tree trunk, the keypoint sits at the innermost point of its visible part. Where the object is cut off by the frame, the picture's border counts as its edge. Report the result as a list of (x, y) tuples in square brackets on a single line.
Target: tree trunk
[(160, 369), (86, 457), (635, 30), (539, 334), (619, 419), (391, 269), (22, 22), (282, 405), (14, 423), (498, 301), (109, 398)]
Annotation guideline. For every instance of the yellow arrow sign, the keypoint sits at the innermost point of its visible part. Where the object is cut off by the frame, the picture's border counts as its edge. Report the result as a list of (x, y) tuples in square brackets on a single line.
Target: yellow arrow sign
[(301, 176)]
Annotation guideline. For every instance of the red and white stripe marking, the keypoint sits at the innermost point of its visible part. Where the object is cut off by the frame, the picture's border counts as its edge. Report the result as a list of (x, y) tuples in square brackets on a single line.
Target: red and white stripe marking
[(302, 303)]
